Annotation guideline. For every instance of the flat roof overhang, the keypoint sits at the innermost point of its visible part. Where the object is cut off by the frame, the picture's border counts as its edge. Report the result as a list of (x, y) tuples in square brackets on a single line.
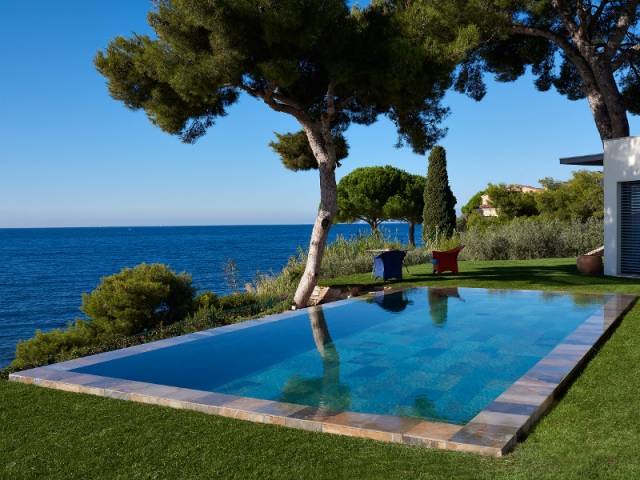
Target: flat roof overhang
[(595, 160)]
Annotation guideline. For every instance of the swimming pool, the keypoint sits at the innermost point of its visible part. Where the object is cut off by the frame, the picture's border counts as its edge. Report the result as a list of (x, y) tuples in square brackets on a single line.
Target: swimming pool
[(442, 358)]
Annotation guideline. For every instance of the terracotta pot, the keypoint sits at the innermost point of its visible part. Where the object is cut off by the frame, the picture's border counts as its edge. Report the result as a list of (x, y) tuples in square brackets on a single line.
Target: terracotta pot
[(590, 264)]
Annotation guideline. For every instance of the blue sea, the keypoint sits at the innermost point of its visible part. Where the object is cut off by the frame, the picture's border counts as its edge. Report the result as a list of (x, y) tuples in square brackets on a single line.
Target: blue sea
[(43, 272)]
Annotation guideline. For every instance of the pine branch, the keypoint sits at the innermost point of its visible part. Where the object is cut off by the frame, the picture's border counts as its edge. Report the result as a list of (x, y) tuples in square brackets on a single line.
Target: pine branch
[(626, 18)]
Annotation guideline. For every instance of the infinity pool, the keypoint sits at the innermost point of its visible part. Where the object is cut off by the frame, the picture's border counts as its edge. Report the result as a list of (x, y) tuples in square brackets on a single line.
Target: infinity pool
[(440, 354)]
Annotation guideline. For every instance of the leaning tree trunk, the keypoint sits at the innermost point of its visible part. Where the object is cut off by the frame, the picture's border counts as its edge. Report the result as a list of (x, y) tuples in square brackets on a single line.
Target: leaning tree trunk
[(600, 88), (608, 110), (412, 234), (324, 151), (607, 104)]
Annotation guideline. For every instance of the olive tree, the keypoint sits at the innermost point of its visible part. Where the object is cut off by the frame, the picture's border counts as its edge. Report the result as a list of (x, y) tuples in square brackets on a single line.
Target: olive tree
[(318, 61)]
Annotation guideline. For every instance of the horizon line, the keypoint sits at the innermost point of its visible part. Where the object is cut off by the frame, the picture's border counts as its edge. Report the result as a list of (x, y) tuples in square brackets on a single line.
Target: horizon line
[(191, 226)]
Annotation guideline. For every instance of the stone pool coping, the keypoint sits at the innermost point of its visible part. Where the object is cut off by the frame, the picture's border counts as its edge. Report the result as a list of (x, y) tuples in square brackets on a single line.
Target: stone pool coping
[(494, 431)]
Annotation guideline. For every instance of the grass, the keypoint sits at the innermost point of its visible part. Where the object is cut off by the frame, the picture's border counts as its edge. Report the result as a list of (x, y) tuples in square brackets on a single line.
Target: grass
[(541, 274), (592, 433)]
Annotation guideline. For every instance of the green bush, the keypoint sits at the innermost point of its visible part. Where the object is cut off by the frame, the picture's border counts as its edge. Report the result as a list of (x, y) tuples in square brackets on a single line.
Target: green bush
[(511, 202), (138, 298), (473, 204), (124, 304), (237, 301), (206, 299), (582, 197), (44, 348), (476, 220), (150, 302), (344, 256), (529, 238), (283, 285)]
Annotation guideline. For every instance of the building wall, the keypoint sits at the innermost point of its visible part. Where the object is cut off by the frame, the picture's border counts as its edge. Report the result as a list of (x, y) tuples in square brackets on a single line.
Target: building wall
[(528, 189), (621, 164), (487, 211)]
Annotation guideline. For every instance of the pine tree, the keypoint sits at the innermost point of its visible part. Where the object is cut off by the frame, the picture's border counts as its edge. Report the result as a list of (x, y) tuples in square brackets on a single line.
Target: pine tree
[(439, 201), (323, 63)]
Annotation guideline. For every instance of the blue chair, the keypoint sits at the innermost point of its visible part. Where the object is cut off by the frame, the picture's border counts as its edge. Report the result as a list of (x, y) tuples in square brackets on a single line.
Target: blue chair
[(388, 264)]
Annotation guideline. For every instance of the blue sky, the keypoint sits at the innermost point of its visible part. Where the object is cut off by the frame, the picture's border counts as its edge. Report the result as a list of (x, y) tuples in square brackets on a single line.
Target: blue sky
[(72, 156)]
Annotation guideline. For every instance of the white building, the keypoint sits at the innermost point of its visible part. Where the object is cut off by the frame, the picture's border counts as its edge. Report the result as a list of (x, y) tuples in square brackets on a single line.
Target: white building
[(621, 162)]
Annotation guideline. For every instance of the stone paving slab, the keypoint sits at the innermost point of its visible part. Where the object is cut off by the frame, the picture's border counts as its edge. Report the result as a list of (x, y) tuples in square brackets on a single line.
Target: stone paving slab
[(494, 431)]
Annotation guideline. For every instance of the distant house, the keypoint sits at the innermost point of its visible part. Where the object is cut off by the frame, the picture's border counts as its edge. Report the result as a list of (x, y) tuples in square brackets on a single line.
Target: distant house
[(486, 209)]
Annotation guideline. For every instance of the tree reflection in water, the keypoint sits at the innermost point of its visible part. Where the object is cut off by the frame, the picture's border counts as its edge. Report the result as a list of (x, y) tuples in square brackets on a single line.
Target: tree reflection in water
[(439, 303), (393, 302), (325, 391)]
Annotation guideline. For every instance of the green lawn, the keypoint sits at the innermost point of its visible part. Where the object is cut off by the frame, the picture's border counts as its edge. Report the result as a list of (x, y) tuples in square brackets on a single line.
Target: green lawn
[(594, 432)]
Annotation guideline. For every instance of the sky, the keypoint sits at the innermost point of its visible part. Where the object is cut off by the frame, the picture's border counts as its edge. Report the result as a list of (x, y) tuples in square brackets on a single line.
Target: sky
[(72, 156)]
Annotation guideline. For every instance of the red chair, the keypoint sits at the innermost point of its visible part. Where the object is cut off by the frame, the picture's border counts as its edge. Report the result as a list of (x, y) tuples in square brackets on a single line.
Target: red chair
[(446, 261)]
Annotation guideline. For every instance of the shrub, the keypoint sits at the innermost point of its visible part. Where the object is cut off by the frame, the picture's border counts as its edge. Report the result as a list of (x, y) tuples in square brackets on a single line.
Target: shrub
[(206, 299), (511, 202), (45, 348), (281, 286), (440, 241), (528, 238), (237, 300), (124, 304), (581, 197), (60, 345), (349, 255), (138, 298), (344, 256), (150, 302), (473, 204), (207, 316)]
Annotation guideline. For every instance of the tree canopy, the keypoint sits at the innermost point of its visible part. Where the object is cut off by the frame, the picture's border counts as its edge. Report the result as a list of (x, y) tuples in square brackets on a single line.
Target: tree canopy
[(583, 49), (322, 63), (377, 194), (290, 54), (296, 154), (474, 203), (408, 203), (511, 202), (439, 202), (582, 197), (364, 194)]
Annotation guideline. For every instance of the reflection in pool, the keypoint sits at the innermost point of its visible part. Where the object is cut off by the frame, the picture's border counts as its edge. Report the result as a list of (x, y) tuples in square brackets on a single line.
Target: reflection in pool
[(434, 353)]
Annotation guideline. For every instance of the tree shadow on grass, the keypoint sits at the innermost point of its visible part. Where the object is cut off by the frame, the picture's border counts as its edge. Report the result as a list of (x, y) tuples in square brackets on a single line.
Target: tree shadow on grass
[(508, 276)]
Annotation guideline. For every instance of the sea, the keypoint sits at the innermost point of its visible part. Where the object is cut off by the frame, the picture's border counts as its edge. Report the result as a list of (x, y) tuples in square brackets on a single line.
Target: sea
[(44, 271)]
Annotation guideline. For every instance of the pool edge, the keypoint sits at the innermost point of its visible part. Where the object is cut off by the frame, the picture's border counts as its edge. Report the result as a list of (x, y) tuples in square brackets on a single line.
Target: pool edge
[(494, 431)]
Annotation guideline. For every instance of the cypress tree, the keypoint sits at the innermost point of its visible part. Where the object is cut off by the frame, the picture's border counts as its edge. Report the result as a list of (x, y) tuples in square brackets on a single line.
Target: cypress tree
[(439, 202)]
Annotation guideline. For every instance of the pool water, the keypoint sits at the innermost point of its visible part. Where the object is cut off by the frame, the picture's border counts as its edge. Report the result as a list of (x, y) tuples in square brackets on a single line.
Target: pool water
[(435, 353)]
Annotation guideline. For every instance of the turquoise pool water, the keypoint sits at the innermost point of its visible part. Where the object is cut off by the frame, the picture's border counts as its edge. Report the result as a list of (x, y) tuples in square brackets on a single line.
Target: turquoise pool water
[(435, 353)]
